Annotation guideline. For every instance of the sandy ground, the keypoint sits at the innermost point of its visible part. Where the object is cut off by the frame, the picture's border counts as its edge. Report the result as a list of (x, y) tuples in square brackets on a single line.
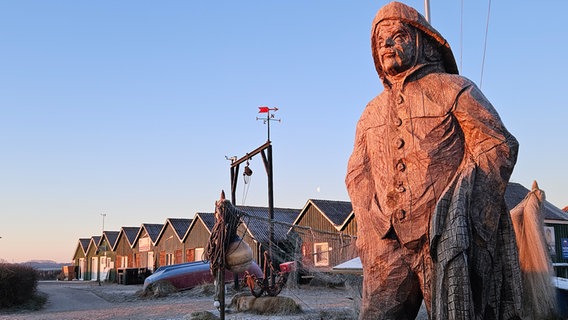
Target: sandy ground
[(79, 300)]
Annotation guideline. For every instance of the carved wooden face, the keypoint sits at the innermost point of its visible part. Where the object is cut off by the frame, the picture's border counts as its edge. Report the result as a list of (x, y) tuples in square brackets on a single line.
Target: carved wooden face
[(396, 46)]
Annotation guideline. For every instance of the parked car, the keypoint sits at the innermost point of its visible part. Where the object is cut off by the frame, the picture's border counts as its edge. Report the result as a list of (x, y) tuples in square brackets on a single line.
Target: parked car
[(185, 276)]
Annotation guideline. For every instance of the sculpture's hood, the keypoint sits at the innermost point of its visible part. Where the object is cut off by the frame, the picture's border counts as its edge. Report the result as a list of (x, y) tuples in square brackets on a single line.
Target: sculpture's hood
[(406, 14)]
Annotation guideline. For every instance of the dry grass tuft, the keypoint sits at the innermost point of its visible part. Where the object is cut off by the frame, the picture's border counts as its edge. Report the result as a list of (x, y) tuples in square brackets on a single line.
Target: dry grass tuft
[(159, 289), (202, 315), (265, 305)]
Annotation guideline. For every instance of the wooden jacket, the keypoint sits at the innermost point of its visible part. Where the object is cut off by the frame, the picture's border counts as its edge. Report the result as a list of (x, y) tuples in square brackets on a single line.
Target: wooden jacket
[(413, 141)]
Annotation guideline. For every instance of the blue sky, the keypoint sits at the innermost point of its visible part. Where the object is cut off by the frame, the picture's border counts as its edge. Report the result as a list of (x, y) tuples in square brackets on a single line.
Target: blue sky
[(128, 108)]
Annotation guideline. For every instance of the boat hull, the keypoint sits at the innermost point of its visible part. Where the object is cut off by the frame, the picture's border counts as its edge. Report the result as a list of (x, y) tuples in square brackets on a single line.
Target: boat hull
[(188, 275)]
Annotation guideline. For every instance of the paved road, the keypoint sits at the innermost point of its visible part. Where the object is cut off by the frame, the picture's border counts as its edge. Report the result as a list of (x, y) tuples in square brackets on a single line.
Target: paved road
[(65, 296), (78, 300)]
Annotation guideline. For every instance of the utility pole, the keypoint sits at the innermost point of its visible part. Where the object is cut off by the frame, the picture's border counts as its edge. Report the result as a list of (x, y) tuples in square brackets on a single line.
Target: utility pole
[(103, 215), (99, 258)]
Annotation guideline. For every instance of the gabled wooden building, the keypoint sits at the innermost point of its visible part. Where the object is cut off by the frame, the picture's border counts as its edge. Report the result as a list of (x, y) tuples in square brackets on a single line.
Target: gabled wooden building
[(79, 257), (92, 259), (197, 236), (255, 231), (169, 244), (107, 255), (124, 247), (143, 249), (327, 229)]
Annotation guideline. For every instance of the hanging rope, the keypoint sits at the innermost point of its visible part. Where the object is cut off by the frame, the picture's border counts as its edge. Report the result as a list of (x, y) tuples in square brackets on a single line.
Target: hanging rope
[(247, 175), (246, 187), (461, 36), (485, 44), (223, 233)]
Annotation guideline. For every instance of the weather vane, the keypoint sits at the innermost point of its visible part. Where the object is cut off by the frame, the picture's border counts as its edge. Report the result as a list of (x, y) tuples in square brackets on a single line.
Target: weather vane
[(269, 117)]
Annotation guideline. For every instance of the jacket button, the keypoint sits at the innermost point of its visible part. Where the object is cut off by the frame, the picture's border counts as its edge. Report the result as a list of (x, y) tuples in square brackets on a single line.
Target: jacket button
[(400, 189), (399, 99), (399, 143), (400, 214), (400, 166), (398, 122)]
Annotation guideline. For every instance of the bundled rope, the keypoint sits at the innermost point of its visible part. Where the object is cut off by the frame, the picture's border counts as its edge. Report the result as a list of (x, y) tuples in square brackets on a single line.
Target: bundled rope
[(227, 220)]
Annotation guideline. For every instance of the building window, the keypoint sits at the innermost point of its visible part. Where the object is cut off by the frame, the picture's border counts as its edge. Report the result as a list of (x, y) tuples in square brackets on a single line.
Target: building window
[(550, 239), (321, 254), (124, 261), (189, 255), (199, 254), (169, 259), (144, 244)]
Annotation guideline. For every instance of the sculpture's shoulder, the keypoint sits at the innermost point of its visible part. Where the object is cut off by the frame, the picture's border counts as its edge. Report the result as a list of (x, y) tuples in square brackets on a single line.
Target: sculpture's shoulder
[(452, 84), (440, 90), (375, 112), (380, 100)]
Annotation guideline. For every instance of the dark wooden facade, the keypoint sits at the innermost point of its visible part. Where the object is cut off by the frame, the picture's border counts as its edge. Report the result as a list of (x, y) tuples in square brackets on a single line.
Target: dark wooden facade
[(92, 259), (255, 231), (350, 225), (80, 257), (145, 255), (327, 230), (197, 236), (169, 245), (107, 256), (124, 247)]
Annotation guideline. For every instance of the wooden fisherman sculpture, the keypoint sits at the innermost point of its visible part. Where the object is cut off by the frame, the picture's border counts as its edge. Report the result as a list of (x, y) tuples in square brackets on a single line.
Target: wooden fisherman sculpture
[(427, 178)]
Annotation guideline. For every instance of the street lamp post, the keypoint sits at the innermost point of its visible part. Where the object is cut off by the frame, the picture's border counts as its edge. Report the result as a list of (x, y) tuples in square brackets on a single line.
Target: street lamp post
[(103, 215), (99, 258)]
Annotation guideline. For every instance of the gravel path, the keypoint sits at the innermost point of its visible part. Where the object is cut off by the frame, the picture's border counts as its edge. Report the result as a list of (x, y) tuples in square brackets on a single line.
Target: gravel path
[(79, 300)]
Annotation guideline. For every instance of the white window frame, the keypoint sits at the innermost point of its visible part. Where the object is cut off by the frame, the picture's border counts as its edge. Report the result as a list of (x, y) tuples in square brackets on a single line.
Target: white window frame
[(169, 259), (124, 261), (199, 254), (321, 254)]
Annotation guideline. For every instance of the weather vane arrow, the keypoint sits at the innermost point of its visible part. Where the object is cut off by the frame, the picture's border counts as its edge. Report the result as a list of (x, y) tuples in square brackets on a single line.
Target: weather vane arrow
[(269, 116), (264, 109)]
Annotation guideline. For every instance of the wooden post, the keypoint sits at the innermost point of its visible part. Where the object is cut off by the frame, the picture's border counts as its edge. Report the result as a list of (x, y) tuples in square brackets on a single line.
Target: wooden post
[(270, 212)]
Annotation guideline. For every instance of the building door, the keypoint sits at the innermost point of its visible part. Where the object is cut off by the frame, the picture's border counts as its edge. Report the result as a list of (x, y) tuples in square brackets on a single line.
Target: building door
[(104, 267), (94, 268), (81, 274), (150, 264), (199, 254)]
